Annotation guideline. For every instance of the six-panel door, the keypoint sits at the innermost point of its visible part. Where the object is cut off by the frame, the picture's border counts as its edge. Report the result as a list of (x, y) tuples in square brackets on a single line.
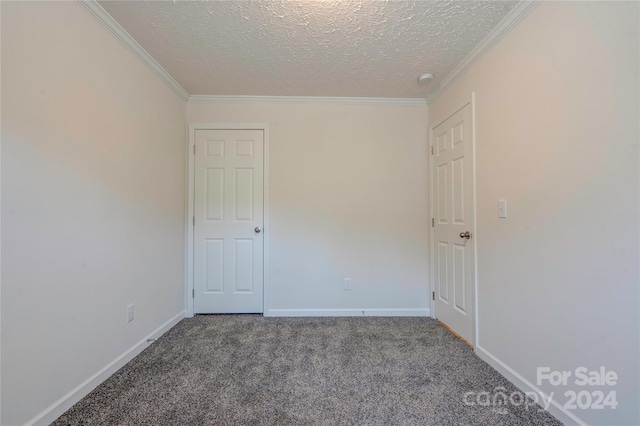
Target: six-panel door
[(453, 209), (228, 206)]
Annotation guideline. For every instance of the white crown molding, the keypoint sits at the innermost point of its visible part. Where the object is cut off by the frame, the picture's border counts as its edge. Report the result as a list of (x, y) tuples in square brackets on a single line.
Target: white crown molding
[(307, 99), (502, 29), (102, 16)]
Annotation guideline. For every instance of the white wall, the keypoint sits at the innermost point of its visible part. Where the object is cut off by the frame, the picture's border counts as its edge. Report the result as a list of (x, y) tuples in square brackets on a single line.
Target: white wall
[(557, 136), (348, 198), (92, 203)]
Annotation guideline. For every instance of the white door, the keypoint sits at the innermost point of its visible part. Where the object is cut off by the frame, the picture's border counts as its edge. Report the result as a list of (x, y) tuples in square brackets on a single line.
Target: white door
[(228, 207), (452, 177)]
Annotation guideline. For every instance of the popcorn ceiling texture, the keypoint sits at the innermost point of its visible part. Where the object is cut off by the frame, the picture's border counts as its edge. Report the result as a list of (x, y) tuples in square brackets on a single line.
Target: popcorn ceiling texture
[(312, 48)]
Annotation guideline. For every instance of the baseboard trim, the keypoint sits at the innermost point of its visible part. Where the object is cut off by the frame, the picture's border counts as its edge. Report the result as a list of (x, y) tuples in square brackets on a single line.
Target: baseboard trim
[(348, 312), (557, 410), (56, 409)]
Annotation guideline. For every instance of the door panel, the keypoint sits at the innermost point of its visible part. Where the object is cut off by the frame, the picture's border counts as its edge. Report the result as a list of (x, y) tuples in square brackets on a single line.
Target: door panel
[(443, 191), (228, 207), (442, 271), (459, 277), (458, 190), (214, 265), (454, 255), (244, 265), (244, 194), (215, 194)]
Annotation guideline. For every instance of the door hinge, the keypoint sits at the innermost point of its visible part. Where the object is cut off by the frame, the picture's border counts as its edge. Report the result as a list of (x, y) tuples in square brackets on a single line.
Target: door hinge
[(431, 149), (193, 293), (194, 149), (433, 295), (194, 221), (433, 222)]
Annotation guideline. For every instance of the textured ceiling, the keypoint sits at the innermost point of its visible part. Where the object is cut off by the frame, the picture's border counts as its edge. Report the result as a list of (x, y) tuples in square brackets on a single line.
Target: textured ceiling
[(348, 48)]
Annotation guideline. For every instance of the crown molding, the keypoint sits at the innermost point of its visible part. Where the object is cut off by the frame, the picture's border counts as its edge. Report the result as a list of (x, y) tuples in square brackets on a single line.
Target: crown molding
[(307, 100), (102, 16), (509, 22)]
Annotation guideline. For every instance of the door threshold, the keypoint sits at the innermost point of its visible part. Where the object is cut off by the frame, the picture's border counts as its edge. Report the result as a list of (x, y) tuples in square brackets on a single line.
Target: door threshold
[(457, 335)]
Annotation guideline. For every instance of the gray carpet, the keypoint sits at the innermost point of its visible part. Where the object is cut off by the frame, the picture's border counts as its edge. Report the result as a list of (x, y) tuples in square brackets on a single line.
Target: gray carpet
[(247, 369)]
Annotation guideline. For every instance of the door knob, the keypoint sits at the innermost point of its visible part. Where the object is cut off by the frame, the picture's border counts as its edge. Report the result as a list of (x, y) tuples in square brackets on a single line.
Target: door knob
[(257, 229), (466, 235)]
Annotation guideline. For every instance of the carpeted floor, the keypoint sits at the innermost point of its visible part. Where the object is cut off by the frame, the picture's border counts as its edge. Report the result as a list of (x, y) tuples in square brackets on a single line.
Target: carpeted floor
[(247, 369)]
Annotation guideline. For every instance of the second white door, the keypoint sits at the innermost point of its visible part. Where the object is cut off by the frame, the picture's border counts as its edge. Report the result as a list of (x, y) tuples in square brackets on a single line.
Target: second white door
[(228, 221), (452, 177)]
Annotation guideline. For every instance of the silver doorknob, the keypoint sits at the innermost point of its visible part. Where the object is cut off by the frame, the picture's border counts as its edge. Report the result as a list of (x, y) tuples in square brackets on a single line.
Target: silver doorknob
[(257, 229), (466, 235)]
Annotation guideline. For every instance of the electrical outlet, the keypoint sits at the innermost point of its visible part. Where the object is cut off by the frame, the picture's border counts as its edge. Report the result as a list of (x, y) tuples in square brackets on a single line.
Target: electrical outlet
[(130, 313), (347, 283)]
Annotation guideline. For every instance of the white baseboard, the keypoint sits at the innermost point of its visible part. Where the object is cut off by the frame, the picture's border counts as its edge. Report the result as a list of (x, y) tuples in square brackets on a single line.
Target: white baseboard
[(348, 312), (56, 409), (557, 410)]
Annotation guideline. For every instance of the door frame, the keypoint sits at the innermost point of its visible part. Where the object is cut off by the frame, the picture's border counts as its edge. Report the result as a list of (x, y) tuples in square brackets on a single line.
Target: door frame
[(468, 100), (189, 284)]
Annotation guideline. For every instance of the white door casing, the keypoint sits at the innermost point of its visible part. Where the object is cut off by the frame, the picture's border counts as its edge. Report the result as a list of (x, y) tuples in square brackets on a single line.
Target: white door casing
[(453, 213), (228, 225)]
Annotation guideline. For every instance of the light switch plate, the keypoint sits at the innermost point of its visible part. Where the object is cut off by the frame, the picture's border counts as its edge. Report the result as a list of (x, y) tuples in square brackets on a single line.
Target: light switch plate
[(130, 312), (502, 209), (347, 283)]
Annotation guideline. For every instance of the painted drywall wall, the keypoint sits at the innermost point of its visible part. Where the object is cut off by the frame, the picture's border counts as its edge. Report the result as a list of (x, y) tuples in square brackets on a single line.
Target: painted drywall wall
[(93, 182), (557, 136), (348, 198)]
